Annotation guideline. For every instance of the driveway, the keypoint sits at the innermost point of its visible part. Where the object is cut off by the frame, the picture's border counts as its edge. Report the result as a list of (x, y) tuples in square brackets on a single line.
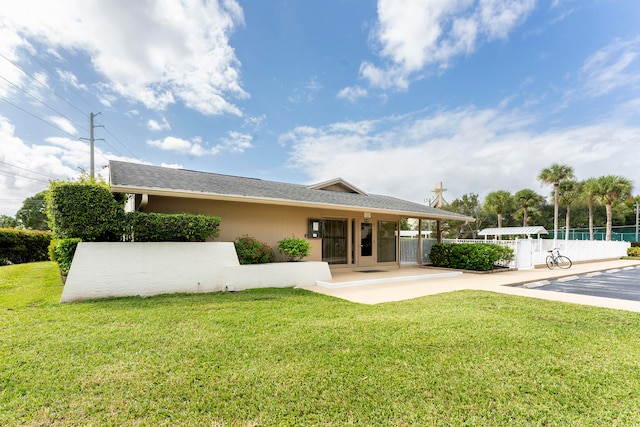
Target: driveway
[(392, 286), (617, 283)]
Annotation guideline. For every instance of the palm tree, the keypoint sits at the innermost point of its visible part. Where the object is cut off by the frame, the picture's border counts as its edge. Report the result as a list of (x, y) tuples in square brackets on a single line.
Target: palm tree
[(498, 202), (611, 188), (570, 192), (589, 193), (527, 199), (553, 175)]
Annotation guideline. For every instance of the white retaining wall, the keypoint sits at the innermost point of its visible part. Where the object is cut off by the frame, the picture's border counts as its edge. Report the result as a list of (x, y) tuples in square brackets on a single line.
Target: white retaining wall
[(103, 270)]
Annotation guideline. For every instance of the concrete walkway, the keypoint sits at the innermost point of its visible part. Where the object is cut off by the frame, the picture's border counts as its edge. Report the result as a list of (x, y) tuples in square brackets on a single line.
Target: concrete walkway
[(414, 282)]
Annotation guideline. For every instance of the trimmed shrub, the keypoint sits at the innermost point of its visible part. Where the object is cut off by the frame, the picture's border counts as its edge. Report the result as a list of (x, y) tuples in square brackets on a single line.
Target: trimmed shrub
[(633, 251), (469, 256), (294, 249), (21, 246), (87, 211), (156, 227), (251, 251), (62, 252)]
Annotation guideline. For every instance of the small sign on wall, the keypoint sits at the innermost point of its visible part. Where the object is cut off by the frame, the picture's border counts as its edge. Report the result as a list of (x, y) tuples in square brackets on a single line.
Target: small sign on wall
[(315, 229)]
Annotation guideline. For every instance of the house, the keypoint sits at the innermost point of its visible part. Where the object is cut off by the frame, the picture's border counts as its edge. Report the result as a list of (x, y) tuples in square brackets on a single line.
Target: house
[(346, 226)]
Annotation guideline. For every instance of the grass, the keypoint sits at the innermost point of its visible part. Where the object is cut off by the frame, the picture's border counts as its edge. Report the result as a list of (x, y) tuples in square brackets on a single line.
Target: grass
[(290, 357)]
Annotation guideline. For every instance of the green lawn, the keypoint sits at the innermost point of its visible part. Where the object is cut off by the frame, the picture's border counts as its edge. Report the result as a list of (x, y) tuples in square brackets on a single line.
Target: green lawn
[(291, 357)]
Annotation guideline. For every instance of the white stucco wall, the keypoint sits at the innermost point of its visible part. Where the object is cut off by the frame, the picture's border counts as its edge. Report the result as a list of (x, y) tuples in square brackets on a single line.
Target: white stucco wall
[(103, 270), (277, 275)]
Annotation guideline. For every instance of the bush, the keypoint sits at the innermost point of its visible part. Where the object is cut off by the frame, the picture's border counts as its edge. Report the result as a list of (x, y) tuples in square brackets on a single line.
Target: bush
[(85, 210), (633, 251), (62, 252), (293, 248), (21, 246), (469, 256), (156, 227), (635, 244), (251, 251)]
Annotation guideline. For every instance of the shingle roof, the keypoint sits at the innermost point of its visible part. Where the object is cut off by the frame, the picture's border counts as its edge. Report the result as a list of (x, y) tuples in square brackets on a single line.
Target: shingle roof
[(144, 179)]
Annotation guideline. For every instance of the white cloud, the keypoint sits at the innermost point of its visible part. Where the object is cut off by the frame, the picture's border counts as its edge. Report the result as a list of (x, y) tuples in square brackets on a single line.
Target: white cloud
[(64, 124), (69, 78), (352, 93), (614, 66), (26, 170), (470, 150), (234, 142), (172, 165), (171, 143), (151, 52), (414, 34), (156, 126), (306, 92), (256, 123)]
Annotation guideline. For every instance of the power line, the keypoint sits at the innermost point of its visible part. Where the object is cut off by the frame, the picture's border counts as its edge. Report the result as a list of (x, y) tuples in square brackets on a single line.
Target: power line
[(19, 167), (15, 175), (41, 83), (41, 102), (120, 142), (34, 78), (39, 118)]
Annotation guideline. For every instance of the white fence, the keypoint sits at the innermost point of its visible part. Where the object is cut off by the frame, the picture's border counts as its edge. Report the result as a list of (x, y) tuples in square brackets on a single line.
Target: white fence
[(528, 252)]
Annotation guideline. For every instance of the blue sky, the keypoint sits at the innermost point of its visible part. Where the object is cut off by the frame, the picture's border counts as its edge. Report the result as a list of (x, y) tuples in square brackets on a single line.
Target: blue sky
[(392, 96)]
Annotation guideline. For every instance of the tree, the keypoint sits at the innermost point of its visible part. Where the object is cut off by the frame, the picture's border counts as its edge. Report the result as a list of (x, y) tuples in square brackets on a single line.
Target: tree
[(7, 221), (589, 193), (527, 200), (611, 188), (553, 175), (499, 202), (570, 192), (469, 205), (33, 213)]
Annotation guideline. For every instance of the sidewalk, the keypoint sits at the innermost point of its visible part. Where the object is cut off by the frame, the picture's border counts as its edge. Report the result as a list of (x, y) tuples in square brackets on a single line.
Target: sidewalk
[(407, 283)]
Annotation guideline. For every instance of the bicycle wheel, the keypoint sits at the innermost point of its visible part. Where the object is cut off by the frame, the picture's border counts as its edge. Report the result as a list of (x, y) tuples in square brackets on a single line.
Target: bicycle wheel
[(550, 263), (564, 262)]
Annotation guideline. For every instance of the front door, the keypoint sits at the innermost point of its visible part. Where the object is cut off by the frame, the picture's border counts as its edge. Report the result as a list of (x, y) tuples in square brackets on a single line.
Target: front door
[(367, 249)]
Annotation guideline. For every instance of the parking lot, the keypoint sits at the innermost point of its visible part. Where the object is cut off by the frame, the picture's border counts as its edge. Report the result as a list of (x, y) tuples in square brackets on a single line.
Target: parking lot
[(618, 283)]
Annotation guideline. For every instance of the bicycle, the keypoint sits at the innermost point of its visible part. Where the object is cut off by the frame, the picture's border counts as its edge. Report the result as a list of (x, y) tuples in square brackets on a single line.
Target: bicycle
[(555, 259)]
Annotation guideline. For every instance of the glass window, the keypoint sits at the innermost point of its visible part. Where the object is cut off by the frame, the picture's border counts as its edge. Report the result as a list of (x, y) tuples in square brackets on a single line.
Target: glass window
[(387, 241)]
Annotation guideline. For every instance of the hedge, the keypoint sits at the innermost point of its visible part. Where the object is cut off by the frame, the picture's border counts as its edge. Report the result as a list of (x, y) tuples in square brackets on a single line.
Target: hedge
[(21, 246), (252, 251), (294, 249), (469, 256), (633, 251), (156, 227), (88, 211), (62, 252)]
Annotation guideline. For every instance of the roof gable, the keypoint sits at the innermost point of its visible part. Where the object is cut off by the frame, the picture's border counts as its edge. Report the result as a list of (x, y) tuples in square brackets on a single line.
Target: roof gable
[(339, 185)]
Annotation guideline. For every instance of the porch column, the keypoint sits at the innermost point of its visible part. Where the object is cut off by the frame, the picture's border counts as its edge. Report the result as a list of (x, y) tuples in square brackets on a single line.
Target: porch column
[(419, 260), (438, 232)]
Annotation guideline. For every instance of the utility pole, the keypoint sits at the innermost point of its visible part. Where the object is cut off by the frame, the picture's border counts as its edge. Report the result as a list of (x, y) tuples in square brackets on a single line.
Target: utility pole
[(92, 171), (92, 168)]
